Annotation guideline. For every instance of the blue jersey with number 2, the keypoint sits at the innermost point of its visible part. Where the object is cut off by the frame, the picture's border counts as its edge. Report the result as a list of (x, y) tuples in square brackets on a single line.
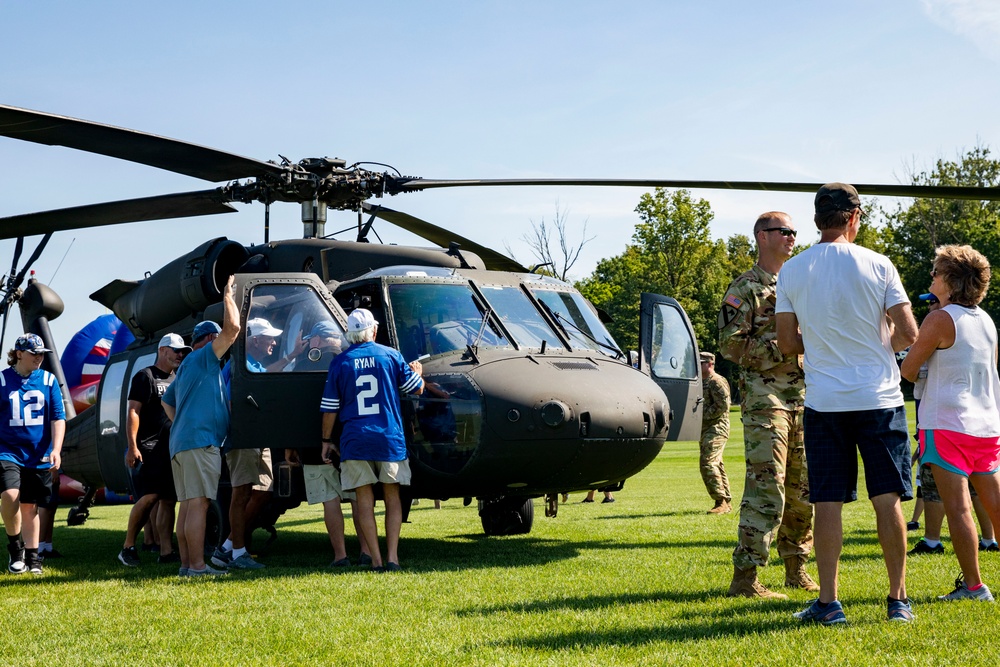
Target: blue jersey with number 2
[(28, 407), (363, 387)]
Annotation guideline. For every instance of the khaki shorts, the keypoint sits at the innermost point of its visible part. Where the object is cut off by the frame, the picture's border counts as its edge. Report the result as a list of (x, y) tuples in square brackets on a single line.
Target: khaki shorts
[(196, 473), (323, 484), (250, 466), (360, 473)]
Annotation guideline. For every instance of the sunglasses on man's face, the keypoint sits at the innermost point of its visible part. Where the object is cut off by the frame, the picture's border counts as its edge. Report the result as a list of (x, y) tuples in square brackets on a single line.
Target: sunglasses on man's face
[(784, 231)]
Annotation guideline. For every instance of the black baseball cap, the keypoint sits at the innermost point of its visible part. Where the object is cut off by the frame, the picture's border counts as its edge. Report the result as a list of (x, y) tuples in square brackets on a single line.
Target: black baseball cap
[(837, 197)]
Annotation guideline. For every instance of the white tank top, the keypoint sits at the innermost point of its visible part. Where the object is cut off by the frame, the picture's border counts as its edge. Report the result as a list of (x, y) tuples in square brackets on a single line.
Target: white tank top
[(962, 392)]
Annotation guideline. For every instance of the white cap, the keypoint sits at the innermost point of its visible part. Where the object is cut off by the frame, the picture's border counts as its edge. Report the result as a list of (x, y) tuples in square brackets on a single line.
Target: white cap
[(174, 341), (258, 326), (360, 319)]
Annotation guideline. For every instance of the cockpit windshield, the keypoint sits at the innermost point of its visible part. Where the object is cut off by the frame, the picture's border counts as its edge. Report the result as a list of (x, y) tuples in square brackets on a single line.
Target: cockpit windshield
[(437, 318), (520, 317), (572, 312)]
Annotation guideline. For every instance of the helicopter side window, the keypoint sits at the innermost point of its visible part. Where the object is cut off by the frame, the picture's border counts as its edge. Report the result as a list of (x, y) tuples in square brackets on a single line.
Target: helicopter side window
[(577, 318), (440, 317), (673, 349), (290, 329)]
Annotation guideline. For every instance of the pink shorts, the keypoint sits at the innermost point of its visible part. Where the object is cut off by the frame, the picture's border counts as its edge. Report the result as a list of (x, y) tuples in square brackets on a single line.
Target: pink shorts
[(960, 453)]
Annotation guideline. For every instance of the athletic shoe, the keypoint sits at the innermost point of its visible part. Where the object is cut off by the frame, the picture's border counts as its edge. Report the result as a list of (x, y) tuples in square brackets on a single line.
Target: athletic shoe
[(15, 563), (244, 562), (172, 557), (900, 610), (153, 548), (607, 500), (222, 558), (182, 572), (343, 562), (35, 565), (962, 592), (392, 567), (129, 557), (364, 559), (829, 614), (923, 548), (992, 546), (209, 571), (913, 525), (49, 553), (587, 500)]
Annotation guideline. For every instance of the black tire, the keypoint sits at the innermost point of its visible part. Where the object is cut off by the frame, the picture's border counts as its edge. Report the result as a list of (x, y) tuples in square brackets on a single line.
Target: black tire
[(507, 516)]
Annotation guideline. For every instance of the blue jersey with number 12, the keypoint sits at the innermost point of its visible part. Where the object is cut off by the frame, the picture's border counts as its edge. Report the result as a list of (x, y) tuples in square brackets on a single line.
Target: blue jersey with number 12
[(363, 387), (28, 407)]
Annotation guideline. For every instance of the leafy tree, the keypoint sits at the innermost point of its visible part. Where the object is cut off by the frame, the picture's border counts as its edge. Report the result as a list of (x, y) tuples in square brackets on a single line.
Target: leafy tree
[(912, 233), (671, 253)]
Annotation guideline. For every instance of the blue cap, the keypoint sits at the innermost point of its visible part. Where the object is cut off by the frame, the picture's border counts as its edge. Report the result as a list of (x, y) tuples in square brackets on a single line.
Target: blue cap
[(324, 329), (928, 297), (202, 329), (30, 342)]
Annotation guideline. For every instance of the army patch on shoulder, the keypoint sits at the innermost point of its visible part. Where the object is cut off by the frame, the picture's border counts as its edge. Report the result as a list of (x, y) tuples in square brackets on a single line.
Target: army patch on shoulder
[(727, 315), (733, 300)]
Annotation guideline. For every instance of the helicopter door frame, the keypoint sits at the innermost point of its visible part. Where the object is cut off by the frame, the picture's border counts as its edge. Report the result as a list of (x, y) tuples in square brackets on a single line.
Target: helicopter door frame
[(276, 409), (676, 367)]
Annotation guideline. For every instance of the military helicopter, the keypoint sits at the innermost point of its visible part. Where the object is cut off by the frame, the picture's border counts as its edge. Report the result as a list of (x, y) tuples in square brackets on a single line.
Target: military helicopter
[(528, 394)]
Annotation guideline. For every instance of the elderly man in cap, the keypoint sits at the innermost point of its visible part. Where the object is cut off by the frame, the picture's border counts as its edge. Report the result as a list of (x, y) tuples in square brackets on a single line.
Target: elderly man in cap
[(714, 434), (197, 403), (147, 430), (853, 314), (32, 426), (775, 496), (323, 343), (363, 390)]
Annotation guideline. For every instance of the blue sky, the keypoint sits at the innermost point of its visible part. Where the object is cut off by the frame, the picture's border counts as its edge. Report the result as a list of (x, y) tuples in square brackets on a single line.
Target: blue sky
[(852, 91)]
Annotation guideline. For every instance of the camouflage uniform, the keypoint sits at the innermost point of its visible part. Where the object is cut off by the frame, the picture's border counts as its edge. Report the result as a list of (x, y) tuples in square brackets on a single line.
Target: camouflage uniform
[(772, 389), (714, 434)]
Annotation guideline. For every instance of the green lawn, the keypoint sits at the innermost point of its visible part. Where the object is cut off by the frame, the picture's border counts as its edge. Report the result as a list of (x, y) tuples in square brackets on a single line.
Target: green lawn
[(637, 582)]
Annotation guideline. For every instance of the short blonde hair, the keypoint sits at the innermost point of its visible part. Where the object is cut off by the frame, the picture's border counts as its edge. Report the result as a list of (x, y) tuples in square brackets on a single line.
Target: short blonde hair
[(965, 271)]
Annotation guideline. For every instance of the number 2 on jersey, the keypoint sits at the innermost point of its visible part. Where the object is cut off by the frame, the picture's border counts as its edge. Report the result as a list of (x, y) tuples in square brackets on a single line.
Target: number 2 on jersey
[(367, 389)]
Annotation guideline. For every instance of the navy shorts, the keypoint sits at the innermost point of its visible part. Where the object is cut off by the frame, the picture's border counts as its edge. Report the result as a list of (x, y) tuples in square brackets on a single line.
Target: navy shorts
[(833, 440), (35, 483)]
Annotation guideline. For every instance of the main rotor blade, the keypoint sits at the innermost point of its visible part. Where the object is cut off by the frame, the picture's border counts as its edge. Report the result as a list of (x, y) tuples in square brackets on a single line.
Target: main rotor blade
[(441, 236), (922, 191), (162, 207), (149, 149)]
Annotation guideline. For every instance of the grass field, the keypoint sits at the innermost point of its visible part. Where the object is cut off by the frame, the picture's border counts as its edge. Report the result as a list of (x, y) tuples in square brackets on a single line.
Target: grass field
[(639, 582)]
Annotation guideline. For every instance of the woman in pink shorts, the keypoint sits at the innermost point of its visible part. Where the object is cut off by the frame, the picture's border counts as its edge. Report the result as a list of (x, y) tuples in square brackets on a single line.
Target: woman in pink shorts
[(960, 409)]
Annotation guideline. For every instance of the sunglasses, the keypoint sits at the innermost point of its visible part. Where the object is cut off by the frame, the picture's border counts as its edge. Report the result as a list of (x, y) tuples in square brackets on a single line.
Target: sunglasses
[(784, 231)]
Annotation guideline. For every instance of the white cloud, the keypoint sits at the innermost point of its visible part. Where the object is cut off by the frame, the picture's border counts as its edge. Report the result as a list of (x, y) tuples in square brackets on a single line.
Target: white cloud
[(976, 20)]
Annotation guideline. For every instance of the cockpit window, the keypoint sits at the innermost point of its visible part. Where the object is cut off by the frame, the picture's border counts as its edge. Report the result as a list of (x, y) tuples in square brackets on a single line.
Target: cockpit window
[(437, 318), (520, 317), (572, 312), (289, 328)]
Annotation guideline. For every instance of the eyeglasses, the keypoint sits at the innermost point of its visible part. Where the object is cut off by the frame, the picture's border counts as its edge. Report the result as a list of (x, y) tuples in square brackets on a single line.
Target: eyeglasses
[(784, 231), (179, 351), (933, 273)]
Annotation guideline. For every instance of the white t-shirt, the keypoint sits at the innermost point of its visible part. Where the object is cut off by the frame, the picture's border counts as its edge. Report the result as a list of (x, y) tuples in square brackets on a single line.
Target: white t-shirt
[(840, 293)]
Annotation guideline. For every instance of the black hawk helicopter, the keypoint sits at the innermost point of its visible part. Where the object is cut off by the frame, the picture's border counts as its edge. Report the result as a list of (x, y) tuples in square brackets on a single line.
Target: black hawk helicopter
[(529, 395)]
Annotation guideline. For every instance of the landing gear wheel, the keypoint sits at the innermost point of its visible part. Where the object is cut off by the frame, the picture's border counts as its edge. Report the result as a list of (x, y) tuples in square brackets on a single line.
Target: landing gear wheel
[(507, 516)]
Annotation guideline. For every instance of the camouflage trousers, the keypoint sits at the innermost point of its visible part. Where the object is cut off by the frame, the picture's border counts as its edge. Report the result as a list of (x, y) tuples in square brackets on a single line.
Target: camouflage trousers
[(776, 495), (713, 470)]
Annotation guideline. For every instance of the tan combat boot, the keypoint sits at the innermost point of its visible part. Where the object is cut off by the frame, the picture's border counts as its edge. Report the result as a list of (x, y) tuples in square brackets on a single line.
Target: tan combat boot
[(745, 584), (796, 575), (721, 507)]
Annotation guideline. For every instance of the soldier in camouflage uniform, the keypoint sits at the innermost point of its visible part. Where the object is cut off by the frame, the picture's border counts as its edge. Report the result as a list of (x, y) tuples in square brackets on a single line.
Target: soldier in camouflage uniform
[(714, 434), (772, 389)]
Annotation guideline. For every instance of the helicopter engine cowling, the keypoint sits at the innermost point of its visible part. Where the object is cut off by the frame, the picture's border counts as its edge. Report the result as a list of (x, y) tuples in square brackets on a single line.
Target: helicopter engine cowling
[(182, 288)]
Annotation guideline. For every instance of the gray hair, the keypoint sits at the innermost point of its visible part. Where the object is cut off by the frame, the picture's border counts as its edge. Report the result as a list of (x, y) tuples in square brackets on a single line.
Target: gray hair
[(363, 336)]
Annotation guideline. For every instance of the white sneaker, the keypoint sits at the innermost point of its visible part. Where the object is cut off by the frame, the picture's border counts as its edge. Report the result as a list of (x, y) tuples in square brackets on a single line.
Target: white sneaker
[(962, 592)]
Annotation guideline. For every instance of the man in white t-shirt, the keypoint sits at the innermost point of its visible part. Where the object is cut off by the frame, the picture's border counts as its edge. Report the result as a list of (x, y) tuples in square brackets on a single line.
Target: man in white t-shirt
[(844, 308)]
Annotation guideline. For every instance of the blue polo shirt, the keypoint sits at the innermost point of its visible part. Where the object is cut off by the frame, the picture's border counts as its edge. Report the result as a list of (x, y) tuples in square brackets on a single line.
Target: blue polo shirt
[(199, 397)]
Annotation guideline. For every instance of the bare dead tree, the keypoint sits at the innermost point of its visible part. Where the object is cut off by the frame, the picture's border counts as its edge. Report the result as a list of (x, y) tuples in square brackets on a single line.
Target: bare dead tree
[(541, 239)]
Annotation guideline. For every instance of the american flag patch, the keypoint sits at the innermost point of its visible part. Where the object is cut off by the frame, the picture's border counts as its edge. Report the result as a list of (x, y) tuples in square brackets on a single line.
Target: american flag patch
[(734, 300)]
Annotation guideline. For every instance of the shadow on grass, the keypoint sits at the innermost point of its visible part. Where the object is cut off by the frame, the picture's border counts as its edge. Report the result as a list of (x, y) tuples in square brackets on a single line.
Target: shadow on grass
[(596, 603)]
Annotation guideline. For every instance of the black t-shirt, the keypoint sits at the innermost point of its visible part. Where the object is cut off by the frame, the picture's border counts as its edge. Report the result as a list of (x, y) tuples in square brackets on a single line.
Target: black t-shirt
[(147, 387)]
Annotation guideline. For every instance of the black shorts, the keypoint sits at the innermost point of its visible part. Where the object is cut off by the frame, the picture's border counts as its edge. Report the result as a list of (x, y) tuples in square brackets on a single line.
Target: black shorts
[(155, 474), (833, 440), (35, 483)]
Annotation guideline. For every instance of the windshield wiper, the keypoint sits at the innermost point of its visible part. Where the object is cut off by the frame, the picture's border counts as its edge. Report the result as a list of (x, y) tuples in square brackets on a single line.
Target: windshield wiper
[(563, 322)]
